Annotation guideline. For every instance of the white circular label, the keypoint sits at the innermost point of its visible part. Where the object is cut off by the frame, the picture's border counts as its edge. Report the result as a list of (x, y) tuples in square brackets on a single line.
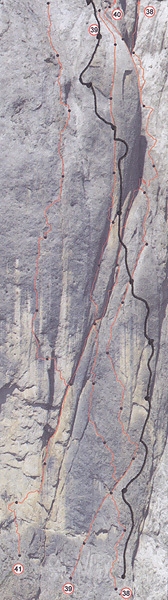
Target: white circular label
[(68, 588), (149, 11), (18, 569), (93, 29), (126, 592), (117, 14)]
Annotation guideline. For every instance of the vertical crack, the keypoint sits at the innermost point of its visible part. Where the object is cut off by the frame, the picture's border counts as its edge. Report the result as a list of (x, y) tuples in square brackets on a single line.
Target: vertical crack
[(51, 381)]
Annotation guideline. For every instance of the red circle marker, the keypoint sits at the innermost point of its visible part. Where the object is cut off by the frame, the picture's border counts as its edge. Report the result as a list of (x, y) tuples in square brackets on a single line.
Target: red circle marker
[(93, 29), (117, 14), (18, 569), (149, 11), (68, 588), (126, 592)]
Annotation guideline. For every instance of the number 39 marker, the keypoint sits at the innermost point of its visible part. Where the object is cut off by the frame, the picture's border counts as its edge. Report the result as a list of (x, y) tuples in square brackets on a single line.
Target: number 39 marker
[(93, 29), (149, 11), (68, 588)]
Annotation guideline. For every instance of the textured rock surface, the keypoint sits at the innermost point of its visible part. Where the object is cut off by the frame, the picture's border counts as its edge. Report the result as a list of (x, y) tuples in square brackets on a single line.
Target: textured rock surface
[(153, 541), (75, 360)]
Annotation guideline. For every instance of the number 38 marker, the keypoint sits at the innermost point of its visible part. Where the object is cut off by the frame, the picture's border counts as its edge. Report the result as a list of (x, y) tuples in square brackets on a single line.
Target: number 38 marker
[(126, 593), (149, 11), (68, 588)]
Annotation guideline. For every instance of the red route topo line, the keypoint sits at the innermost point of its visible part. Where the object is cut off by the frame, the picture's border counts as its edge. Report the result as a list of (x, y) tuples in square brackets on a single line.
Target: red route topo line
[(139, 254), (123, 429), (58, 199), (141, 86), (99, 435), (40, 239), (90, 403), (88, 534), (97, 335), (94, 364)]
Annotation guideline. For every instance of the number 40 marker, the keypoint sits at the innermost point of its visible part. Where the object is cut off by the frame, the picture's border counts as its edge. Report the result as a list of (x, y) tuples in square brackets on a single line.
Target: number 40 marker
[(117, 14)]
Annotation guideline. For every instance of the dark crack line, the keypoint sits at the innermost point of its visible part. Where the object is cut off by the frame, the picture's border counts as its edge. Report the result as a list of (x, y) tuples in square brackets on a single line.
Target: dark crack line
[(147, 397), (116, 139), (52, 504), (139, 298)]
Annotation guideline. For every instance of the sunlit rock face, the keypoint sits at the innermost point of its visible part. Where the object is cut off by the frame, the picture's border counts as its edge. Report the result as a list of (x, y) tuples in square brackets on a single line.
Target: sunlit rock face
[(83, 299)]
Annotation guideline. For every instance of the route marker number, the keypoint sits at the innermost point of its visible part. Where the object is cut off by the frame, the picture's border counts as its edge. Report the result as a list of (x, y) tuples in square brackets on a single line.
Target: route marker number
[(18, 569), (149, 11), (126, 593), (68, 588), (117, 14), (93, 29)]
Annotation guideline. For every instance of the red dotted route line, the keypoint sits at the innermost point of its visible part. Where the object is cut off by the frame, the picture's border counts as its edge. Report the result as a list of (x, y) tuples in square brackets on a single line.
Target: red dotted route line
[(40, 239), (105, 20), (118, 380)]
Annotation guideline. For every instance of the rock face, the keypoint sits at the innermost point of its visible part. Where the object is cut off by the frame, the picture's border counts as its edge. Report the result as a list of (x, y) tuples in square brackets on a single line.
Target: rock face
[(83, 299)]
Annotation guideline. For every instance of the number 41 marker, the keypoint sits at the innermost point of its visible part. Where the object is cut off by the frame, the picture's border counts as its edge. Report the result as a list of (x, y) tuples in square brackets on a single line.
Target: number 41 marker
[(18, 569)]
